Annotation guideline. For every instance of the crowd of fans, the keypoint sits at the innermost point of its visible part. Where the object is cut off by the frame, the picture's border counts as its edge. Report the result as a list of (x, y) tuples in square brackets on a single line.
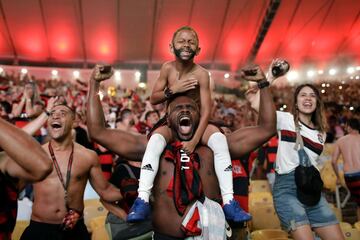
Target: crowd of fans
[(129, 109), (23, 98)]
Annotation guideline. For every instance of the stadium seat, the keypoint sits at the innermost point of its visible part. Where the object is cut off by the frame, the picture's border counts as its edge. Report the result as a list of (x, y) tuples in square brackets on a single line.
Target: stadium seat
[(264, 217), (92, 209), (97, 222), (259, 186), (337, 212), (351, 234), (100, 233), (268, 234), (357, 225), (345, 226), (328, 149), (92, 202), (256, 198), (328, 176), (19, 229)]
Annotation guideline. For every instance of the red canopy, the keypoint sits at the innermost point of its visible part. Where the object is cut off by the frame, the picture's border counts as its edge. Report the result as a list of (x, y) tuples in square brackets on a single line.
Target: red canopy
[(319, 32)]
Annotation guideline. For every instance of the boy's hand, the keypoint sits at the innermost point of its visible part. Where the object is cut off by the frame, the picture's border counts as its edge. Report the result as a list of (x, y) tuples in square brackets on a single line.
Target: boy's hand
[(98, 76), (252, 73), (189, 146), (184, 85)]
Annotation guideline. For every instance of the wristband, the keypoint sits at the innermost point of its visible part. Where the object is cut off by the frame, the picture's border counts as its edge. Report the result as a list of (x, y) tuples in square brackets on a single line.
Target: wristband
[(168, 93), (262, 84)]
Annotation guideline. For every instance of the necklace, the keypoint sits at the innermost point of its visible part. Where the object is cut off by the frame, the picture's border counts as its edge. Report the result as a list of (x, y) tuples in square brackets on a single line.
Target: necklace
[(68, 172)]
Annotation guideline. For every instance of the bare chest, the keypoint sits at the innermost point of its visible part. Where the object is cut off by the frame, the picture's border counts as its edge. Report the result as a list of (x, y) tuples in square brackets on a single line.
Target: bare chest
[(175, 78), (67, 169)]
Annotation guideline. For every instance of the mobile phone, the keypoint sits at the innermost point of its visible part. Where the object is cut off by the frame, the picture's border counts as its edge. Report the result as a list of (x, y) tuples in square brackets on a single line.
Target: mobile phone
[(105, 69)]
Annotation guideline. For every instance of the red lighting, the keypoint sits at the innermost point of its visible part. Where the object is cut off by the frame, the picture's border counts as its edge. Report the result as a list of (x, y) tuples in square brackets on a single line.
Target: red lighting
[(33, 45), (104, 49), (63, 46)]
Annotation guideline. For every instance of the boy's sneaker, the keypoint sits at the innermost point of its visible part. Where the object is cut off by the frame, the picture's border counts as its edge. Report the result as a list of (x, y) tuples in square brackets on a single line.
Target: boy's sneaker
[(233, 212), (139, 211)]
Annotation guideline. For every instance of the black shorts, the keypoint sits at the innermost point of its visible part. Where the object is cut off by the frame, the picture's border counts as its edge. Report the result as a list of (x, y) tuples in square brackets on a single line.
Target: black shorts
[(46, 231)]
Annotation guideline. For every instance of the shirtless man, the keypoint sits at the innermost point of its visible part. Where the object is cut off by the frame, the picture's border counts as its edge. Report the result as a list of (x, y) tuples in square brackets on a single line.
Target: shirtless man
[(183, 76), (349, 147), (58, 206), (21, 160), (166, 220)]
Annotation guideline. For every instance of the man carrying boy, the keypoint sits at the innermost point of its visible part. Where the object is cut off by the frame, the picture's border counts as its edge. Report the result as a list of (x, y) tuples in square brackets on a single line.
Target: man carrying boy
[(186, 78)]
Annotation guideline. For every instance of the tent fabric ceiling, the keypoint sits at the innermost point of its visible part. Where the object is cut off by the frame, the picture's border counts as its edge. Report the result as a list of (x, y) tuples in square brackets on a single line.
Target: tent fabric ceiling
[(139, 31)]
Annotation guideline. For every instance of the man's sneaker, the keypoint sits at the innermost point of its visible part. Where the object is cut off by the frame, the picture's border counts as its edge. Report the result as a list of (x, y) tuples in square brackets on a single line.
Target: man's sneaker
[(139, 211), (233, 212)]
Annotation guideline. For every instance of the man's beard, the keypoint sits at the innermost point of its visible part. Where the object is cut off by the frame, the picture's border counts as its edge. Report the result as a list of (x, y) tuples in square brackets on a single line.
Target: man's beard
[(178, 53)]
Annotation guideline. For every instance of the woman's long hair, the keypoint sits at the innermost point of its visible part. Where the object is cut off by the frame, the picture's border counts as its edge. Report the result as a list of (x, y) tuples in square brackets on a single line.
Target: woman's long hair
[(35, 98), (318, 116)]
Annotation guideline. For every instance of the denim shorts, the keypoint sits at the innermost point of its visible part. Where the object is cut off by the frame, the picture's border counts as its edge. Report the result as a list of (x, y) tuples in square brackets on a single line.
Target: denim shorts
[(292, 213)]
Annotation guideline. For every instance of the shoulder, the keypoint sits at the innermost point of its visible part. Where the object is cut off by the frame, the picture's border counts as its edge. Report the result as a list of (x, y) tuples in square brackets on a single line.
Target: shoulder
[(85, 153), (200, 71), (344, 139), (284, 120), (167, 66)]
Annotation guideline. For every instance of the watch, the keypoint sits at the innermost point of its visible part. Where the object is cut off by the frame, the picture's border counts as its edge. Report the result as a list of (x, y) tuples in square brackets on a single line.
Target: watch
[(168, 93), (262, 84)]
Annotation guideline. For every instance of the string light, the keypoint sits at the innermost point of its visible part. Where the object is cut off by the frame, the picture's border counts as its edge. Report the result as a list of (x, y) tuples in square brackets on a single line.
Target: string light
[(54, 72), (332, 71), (76, 74), (310, 73), (137, 76), (142, 85), (350, 70)]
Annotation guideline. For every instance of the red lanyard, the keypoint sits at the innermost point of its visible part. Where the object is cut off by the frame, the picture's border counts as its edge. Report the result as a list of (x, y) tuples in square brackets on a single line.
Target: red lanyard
[(68, 172)]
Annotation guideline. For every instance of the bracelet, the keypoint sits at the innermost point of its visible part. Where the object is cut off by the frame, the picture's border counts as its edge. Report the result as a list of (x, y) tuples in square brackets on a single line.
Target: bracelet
[(168, 93), (262, 84), (47, 112)]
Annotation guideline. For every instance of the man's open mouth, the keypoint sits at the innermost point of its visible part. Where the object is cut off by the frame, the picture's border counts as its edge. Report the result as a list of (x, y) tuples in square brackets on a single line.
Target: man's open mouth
[(185, 125), (56, 125)]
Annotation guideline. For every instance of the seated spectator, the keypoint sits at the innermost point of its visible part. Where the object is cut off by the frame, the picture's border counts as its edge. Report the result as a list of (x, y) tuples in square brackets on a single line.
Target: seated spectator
[(151, 118)]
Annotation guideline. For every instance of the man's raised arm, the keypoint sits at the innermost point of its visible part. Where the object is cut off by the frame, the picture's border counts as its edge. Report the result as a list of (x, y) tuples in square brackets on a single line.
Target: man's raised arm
[(129, 145), (25, 159), (247, 139)]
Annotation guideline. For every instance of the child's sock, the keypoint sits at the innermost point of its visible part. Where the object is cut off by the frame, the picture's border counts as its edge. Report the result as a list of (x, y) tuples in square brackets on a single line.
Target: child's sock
[(222, 163), (150, 165)]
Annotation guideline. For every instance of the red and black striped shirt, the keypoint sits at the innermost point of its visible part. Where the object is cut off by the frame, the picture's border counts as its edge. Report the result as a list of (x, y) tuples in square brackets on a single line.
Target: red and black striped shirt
[(8, 205)]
